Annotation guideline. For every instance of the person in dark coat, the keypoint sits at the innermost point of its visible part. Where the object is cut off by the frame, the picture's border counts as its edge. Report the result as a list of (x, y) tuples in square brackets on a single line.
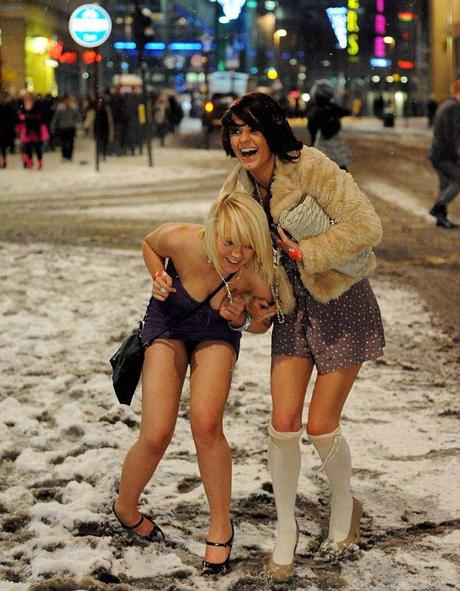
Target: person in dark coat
[(103, 127), (324, 125), (65, 122), (445, 156), (7, 124)]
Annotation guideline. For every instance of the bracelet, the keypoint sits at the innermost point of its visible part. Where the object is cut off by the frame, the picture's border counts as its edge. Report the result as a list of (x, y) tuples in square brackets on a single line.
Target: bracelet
[(246, 324), (295, 254)]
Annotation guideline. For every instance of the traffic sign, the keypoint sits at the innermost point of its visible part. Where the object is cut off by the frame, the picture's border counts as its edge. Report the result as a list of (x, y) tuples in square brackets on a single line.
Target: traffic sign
[(90, 25)]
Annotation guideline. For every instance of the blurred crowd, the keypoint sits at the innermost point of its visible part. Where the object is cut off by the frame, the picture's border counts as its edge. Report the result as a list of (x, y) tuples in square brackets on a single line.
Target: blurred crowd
[(31, 125)]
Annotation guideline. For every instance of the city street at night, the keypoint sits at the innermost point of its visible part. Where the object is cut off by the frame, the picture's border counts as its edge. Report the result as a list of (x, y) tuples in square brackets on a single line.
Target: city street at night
[(74, 284), (230, 295)]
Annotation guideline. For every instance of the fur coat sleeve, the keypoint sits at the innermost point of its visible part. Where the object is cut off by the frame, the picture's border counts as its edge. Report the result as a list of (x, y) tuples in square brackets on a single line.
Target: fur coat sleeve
[(356, 224)]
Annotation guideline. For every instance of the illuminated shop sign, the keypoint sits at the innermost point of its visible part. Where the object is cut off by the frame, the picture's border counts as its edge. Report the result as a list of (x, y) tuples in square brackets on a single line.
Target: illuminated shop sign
[(90, 25), (338, 19), (353, 27), (380, 27), (379, 62), (232, 8)]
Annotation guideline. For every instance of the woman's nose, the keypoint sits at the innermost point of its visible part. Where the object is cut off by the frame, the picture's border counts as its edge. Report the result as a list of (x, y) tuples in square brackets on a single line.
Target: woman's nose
[(245, 132)]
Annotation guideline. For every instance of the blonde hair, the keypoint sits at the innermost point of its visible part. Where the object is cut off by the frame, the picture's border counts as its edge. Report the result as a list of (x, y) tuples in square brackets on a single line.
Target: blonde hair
[(247, 226)]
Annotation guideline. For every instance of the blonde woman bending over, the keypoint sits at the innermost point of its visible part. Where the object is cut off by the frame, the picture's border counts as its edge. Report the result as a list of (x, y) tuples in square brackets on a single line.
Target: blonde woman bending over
[(231, 250)]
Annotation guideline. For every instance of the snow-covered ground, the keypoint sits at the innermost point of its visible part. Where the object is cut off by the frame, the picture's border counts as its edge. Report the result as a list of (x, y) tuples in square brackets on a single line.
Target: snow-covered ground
[(63, 438), (65, 309)]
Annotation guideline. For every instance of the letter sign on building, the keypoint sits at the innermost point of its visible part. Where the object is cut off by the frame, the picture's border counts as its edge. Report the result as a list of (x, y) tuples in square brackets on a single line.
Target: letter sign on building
[(90, 25), (352, 27)]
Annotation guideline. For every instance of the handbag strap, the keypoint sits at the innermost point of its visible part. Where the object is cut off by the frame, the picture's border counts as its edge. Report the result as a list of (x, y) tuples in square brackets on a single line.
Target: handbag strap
[(181, 317)]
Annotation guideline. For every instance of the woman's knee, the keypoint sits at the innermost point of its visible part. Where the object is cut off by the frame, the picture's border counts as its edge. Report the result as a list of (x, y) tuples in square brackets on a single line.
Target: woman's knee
[(321, 425), (286, 423), (155, 442), (206, 428)]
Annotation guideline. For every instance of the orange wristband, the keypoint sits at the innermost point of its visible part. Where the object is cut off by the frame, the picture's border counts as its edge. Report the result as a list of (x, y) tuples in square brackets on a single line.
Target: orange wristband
[(158, 274)]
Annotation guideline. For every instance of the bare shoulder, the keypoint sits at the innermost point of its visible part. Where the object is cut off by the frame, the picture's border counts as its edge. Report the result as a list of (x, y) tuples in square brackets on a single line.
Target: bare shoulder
[(173, 237)]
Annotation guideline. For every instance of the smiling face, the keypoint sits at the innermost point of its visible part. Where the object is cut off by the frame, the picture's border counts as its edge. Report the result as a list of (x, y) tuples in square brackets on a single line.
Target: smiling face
[(232, 254), (252, 150)]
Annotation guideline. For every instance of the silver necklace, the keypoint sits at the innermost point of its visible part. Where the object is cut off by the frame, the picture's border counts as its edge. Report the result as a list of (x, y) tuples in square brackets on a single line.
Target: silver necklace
[(275, 288), (226, 283)]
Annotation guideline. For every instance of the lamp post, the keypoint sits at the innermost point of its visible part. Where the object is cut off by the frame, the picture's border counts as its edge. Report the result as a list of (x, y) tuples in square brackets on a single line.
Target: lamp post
[(277, 35)]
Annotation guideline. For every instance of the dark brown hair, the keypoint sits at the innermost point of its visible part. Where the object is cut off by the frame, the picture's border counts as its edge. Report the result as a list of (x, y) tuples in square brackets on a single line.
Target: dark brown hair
[(263, 113)]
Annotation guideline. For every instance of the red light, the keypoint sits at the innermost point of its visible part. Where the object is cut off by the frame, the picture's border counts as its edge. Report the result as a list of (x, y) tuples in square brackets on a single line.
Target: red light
[(405, 64), (56, 50), (406, 16), (68, 57), (89, 57)]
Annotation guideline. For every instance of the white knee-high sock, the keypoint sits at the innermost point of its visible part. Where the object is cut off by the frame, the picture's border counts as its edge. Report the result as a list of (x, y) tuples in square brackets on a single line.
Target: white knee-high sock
[(284, 464), (335, 456)]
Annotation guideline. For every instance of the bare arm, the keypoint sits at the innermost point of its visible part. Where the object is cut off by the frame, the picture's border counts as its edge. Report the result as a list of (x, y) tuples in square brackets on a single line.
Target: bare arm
[(162, 243), (261, 314)]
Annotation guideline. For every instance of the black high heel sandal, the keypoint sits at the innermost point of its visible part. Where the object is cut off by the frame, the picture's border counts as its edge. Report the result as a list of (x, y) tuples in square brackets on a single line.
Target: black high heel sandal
[(218, 568), (156, 535)]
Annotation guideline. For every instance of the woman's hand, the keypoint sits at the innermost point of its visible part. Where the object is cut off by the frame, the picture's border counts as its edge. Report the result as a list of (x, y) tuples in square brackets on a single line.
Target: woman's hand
[(261, 310), (233, 311), (288, 245), (162, 286)]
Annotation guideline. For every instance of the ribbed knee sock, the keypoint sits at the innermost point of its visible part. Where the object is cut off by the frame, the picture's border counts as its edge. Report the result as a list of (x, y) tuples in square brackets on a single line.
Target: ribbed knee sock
[(335, 455), (284, 464)]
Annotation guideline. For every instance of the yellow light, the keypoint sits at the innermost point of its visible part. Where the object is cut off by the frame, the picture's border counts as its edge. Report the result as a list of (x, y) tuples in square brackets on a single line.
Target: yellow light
[(389, 40), (39, 45), (51, 63), (280, 33), (208, 107), (272, 74)]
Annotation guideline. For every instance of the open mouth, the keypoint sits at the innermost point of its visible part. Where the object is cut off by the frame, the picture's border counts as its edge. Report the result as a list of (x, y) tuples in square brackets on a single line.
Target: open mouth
[(248, 152), (232, 261)]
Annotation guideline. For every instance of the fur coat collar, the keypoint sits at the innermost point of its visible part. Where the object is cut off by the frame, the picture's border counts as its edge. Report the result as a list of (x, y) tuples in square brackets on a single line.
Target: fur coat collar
[(356, 224)]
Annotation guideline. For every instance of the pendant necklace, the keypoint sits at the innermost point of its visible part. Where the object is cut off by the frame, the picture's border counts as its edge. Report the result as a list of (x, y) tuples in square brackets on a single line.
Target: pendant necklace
[(226, 283), (275, 288)]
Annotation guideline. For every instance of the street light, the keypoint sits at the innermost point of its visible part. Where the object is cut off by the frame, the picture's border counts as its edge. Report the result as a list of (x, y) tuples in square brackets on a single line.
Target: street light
[(276, 42), (277, 36)]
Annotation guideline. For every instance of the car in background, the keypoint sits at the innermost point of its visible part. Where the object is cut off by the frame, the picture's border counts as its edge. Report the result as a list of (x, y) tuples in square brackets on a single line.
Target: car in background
[(212, 111)]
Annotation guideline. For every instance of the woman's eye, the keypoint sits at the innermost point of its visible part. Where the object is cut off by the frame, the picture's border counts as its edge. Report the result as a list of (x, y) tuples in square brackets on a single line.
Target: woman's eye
[(227, 242), (235, 131)]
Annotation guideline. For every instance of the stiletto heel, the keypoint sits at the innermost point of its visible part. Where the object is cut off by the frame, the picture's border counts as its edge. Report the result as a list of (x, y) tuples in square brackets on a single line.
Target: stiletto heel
[(218, 568), (280, 572), (156, 535)]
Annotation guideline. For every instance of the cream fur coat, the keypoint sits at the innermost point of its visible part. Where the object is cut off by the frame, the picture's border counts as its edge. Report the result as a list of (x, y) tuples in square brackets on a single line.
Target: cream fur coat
[(356, 224)]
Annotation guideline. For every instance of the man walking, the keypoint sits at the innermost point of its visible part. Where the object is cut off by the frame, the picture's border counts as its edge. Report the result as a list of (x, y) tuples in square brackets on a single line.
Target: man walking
[(65, 121), (445, 156)]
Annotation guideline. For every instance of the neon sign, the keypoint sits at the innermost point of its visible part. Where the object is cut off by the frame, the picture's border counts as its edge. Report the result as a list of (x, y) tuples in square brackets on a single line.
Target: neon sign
[(352, 27), (338, 19), (232, 8), (380, 26)]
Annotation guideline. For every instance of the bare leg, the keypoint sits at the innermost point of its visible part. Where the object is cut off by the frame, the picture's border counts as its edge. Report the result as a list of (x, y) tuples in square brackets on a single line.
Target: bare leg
[(211, 372), (162, 380)]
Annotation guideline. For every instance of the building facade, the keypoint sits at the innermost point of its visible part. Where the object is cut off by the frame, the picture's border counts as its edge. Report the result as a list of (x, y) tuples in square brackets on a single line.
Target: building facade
[(444, 45)]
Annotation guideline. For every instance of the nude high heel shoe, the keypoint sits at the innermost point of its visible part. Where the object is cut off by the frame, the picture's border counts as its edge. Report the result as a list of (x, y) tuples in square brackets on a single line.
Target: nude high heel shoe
[(354, 534), (280, 572)]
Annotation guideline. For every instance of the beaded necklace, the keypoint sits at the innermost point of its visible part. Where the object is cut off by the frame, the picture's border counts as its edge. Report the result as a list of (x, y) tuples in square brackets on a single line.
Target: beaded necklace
[(276, 252)]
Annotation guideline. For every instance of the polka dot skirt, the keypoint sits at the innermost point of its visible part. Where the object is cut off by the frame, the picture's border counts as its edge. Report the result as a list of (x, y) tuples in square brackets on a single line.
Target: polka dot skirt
[(337, 335)]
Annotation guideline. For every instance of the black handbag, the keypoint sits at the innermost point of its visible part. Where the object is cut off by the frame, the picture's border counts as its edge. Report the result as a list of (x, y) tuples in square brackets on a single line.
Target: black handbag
[(127, 361), (127, 366)]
